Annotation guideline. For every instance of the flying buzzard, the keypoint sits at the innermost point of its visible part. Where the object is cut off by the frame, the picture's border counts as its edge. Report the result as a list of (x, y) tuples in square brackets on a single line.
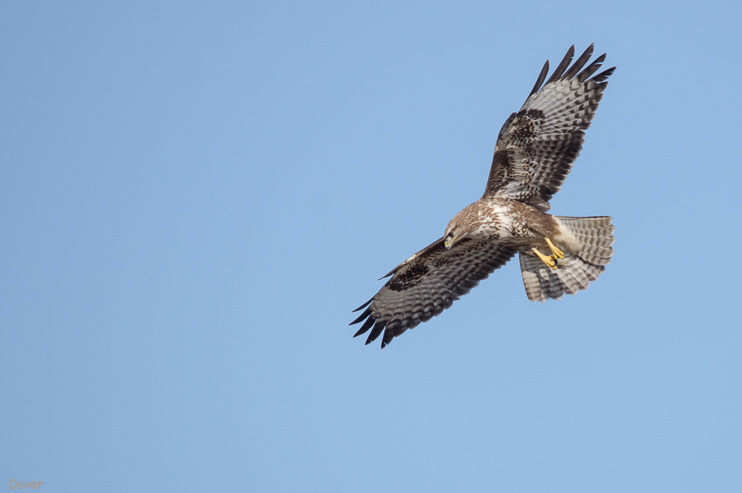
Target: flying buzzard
[(533, 155)]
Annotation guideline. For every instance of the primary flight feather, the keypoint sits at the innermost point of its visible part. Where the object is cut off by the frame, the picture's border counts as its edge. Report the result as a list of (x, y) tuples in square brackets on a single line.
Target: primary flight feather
[(533, 155)]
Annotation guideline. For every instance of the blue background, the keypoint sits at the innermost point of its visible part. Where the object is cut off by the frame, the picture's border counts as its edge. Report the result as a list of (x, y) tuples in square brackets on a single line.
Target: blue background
[(193, 196)]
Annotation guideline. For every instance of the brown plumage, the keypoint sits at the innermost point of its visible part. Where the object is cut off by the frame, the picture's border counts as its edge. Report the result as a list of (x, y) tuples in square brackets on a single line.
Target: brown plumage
[(534, 153)]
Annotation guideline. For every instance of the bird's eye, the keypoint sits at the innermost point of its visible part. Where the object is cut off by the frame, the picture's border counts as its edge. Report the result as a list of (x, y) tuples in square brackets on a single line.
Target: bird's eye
[(450, 235)]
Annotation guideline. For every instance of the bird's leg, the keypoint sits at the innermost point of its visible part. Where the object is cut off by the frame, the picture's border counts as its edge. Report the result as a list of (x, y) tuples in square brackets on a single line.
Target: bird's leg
[(547, 260), (558, 254)]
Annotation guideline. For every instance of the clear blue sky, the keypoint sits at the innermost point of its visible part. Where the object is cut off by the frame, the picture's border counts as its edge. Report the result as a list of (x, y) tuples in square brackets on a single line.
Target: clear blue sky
[(194, 196)]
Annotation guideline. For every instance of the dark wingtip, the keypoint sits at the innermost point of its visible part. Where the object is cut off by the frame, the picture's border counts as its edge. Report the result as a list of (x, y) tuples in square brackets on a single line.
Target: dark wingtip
[(604, 75), (591, 69), (363, 305), (559, 71), (363, 315), (540, 79), (388, 336), (565, 72), (376, 331), (579, 63), (365, 326)]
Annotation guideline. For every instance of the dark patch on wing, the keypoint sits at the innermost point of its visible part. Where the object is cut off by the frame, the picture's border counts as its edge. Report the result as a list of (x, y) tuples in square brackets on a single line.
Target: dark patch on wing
[(409, 277)]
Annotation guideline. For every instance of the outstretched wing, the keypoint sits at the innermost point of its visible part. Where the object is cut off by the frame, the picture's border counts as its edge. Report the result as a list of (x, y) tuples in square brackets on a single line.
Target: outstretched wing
[(426, 284), (537, 146)]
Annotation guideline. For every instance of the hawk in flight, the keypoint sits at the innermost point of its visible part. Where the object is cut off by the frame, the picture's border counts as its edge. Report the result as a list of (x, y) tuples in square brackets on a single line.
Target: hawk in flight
[(533, 155)]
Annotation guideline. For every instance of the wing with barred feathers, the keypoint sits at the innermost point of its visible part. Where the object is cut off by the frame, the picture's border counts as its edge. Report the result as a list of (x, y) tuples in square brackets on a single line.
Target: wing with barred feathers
[(426, 284), (537, 145)]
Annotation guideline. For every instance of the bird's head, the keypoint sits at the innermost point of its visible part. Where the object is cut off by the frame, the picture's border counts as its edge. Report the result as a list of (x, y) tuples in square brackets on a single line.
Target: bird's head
[(450, 238), (455, 231), (465, 224)]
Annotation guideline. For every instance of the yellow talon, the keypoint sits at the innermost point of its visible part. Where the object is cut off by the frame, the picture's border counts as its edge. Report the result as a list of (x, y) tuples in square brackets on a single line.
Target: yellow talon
[(554, 250), (547, 260)]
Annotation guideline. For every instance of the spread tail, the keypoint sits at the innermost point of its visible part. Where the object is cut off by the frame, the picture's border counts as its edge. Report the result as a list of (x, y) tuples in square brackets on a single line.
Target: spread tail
[(586, 242)]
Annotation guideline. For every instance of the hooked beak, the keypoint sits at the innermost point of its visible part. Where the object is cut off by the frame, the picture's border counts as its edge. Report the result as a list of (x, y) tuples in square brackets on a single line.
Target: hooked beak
[(449, 242)]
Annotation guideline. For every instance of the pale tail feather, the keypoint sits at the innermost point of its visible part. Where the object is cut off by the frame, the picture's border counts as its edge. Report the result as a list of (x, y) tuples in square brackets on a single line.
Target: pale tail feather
[(578, 269)]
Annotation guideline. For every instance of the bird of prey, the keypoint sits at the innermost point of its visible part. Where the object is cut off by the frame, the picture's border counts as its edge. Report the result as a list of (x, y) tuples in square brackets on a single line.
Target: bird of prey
[(559, 255)]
